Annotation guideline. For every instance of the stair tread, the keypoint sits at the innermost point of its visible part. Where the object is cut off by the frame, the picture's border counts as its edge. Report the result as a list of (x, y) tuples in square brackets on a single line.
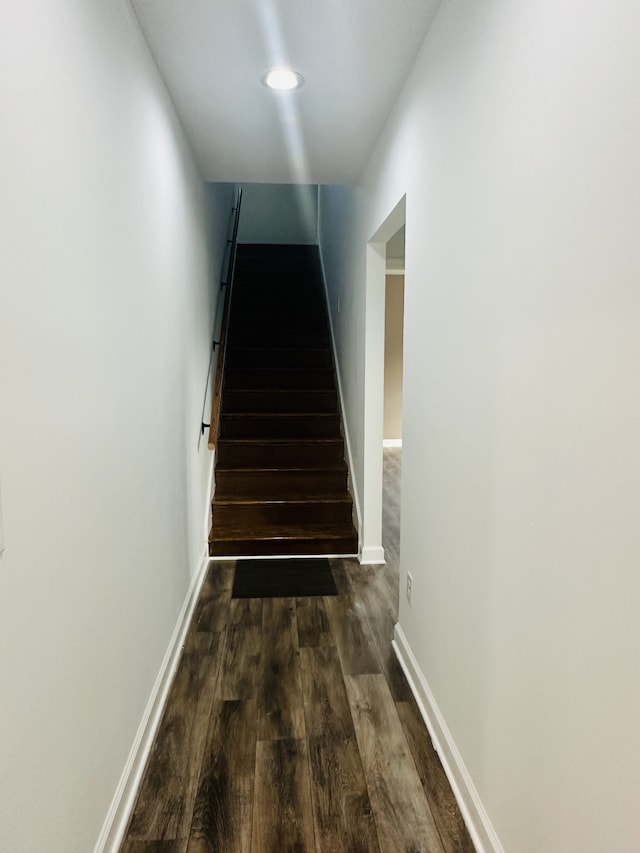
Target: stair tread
[(341, 497), (340, 466), (245, 348), (280, 442), (280, 415), (264, 369), (288, 426), (282, 531)]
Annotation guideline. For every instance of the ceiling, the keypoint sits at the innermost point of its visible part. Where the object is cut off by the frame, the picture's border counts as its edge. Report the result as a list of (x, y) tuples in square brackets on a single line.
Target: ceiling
[(353, 54)]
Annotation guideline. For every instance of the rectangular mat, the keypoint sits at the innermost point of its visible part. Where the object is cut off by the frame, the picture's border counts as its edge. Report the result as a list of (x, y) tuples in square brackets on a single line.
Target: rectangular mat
[(297, 578)]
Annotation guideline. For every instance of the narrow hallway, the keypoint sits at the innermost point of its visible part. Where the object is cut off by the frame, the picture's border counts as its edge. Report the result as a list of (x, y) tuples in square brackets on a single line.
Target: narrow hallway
[(290, 726)]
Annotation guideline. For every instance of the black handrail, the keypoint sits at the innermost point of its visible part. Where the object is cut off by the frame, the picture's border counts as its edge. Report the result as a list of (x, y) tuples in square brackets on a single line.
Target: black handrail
[(226, 284)]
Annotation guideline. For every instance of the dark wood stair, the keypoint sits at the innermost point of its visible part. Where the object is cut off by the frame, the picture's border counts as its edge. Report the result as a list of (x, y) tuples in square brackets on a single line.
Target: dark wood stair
[(280, 471)]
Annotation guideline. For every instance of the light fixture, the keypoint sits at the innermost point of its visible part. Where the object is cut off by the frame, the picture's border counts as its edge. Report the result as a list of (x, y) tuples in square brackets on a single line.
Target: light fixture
[(283, 79)]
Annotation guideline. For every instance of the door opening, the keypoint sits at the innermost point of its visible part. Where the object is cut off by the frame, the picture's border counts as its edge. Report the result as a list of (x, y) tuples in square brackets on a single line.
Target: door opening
[(392, 410), (372, 550)]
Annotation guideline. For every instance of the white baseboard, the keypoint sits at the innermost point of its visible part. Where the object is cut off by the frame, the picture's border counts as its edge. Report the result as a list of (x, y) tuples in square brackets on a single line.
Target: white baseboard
[(480, 828), (371, 555), (117, 818), (392, 442)]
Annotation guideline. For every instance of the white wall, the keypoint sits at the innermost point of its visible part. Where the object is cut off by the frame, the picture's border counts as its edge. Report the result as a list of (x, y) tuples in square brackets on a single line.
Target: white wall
[(343, 264), (106, 272), (279, 213), (516, 142)]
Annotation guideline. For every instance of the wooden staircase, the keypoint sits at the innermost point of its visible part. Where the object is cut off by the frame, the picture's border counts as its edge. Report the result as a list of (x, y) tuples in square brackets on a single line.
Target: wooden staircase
[(280, 471)]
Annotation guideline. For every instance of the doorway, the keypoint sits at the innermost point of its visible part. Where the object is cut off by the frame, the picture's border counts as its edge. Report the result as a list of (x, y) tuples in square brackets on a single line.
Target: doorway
[(392, 408), (374, 386)]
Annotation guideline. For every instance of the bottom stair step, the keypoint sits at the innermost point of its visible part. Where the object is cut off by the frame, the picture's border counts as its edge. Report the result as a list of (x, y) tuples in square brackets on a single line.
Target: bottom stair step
[(306, 540)]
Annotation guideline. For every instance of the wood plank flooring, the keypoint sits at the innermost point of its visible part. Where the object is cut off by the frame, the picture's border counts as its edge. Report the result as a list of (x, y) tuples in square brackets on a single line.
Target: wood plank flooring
[(290, 727)]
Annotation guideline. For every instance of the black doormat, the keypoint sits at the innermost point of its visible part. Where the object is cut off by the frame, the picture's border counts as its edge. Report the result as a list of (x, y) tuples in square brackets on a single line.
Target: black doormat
[(283, 578)]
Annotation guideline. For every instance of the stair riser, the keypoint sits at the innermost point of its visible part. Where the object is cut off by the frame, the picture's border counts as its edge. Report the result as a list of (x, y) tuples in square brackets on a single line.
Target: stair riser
[(284, 292), (312, 454), (263, 269), (277, 260), (262, 338), (326, 426), (259, 515), (284, 547), (296, 250), (285, 296), (274, 358), (284, 319), (290, 296), (304, 256), (280, 484), (293, 279), (280, 322), (288, 290), (291, 283), (279, 401), (279, 379)]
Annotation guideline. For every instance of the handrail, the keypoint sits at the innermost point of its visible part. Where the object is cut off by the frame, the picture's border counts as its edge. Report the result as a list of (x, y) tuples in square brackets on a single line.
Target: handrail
[(227, 284)]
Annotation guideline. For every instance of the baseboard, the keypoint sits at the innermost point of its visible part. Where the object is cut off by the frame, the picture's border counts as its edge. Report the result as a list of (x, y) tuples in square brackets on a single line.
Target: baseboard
[(117, 818), (392, 442), (352, 482), (480, 828), (371, 555)]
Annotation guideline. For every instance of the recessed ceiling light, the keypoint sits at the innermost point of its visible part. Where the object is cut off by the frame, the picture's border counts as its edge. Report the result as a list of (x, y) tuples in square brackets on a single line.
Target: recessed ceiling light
[(283, 79)]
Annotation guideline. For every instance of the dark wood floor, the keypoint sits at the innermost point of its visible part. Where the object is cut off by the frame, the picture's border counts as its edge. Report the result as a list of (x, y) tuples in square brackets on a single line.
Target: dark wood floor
[(290, 727)]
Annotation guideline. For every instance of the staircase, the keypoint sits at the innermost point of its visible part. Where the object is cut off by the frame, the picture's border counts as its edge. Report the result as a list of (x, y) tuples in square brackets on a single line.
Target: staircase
[(280, 471)]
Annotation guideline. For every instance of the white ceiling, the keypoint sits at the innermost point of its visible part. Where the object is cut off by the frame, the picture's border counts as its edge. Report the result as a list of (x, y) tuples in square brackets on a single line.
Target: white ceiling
[(353, 54)]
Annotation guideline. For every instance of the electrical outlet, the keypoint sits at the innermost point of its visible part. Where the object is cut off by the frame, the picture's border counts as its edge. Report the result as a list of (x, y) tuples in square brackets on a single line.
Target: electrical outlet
[(409, 586)]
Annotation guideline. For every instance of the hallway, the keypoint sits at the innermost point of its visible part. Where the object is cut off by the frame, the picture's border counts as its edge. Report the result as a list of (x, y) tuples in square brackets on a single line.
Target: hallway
[(290, 726)]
